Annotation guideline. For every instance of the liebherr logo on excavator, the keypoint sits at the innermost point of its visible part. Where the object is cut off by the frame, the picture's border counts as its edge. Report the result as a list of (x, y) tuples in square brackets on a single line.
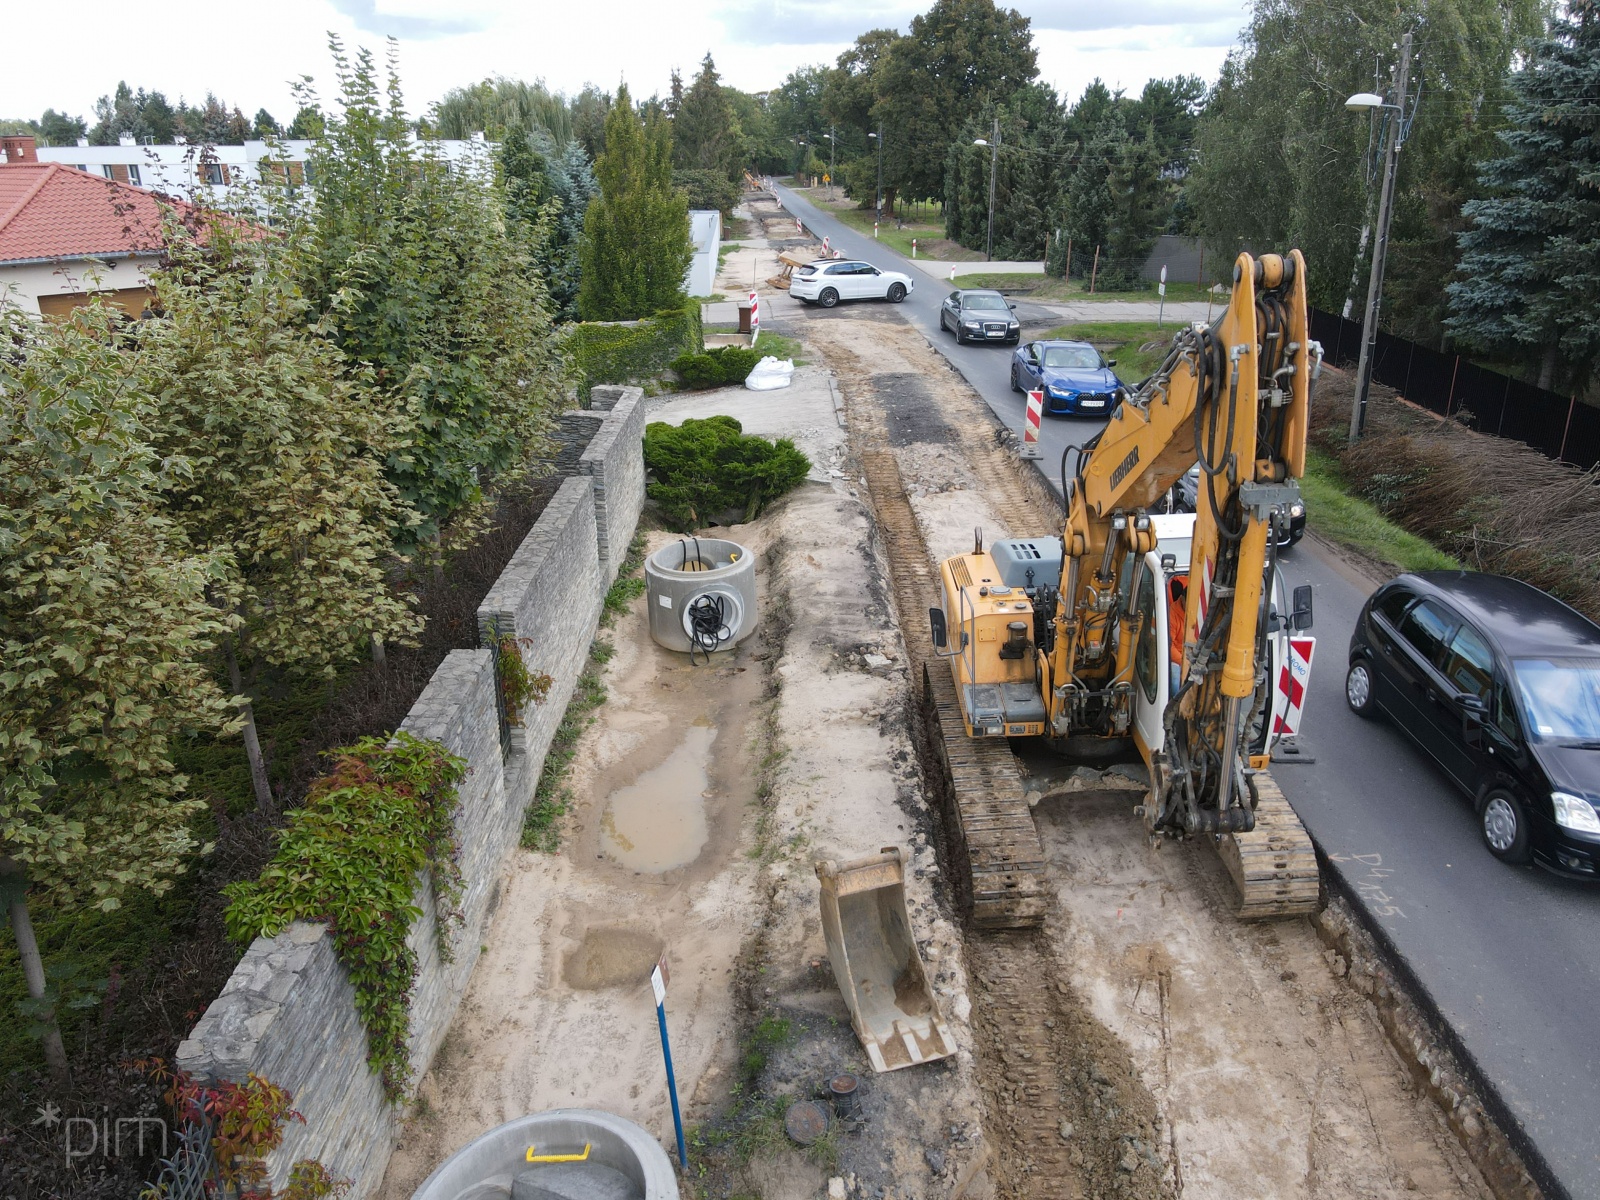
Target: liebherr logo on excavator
[(1125, 466)]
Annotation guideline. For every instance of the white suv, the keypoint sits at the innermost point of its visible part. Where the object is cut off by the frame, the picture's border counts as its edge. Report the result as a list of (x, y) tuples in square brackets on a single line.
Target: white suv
[(830, 280)]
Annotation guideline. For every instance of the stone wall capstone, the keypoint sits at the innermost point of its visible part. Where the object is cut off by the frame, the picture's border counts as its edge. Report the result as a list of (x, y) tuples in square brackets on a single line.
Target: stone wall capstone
[(288, 1013)]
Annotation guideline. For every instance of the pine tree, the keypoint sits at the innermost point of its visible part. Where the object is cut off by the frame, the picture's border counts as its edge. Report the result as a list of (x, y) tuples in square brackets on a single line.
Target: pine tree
[(635, 246), (705, 136), (1530, 264)]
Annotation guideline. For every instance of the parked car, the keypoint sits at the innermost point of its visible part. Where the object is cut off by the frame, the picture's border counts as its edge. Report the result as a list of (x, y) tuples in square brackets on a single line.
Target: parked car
[(1500, 683), (828, 281), (1075, 379), (1185, 495), (980, 315)]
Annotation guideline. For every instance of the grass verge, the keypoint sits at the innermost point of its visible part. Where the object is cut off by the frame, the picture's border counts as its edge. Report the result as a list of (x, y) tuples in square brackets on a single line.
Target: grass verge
[(1334, 513), (1122, 340), (924, 231), (541, 824), (778, 346), (1048, 287)]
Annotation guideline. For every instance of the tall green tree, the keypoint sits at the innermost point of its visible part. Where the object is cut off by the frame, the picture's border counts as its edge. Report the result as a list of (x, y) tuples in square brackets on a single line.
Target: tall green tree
[(705, 135), (286, 448), (410, 264), (957, 58), (498, 107), (635, 246), (1529, 278), (105, 628), (547, 194), (1281, 162)]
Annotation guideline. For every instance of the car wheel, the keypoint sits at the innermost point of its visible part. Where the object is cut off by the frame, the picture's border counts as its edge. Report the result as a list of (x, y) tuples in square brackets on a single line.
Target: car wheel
[(1015, 386), (1358, 690), (1504, 825), (897, 293), (828, 298)]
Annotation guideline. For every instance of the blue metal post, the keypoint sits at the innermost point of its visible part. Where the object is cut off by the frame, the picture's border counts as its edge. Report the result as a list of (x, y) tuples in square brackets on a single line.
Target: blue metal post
[(672, 1086)]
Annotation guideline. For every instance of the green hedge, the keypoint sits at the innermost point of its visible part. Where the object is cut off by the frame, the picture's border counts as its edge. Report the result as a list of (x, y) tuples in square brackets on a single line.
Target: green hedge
[(630, 351), (716, 368)]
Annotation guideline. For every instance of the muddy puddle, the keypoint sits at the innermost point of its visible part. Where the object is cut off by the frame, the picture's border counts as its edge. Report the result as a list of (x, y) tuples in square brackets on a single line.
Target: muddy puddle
[(658, 822)]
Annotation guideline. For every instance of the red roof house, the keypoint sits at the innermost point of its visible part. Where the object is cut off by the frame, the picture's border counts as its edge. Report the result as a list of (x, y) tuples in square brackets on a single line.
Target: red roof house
[(65, 233)]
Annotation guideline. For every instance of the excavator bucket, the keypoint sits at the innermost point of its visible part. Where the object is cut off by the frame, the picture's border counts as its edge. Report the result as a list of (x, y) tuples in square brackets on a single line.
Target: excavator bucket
[(876, 963)]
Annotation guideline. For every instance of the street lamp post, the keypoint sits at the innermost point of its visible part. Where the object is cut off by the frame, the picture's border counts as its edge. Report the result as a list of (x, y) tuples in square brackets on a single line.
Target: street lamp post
[(994, 159), (1364, 102), (832, 145), (878, 137)]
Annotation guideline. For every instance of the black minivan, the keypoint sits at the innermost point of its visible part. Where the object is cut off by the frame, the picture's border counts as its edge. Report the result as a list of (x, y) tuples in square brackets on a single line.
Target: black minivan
[(1500, 683)]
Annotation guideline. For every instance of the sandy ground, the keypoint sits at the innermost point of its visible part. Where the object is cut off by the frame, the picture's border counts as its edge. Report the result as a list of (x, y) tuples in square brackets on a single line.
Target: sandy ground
[(693, 828)]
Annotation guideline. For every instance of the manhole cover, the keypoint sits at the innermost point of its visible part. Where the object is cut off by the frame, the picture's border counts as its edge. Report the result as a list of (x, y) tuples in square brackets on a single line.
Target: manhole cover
[(806, 1121)]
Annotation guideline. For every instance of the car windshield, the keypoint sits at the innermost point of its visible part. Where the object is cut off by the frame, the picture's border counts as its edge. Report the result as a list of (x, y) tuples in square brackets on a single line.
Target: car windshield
[(984, 302), (1561, 696), (1071, 356)]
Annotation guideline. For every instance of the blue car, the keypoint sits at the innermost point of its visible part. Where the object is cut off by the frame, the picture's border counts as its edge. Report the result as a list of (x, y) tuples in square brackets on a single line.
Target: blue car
[(1075, 380)]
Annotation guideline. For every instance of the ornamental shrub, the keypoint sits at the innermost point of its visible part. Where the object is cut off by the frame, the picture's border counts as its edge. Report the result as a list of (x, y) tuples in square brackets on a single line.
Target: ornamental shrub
[(705, 467), (720, 367)]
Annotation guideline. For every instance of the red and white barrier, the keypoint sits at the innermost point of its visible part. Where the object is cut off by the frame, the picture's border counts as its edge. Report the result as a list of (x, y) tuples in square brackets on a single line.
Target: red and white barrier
[(755, 317), (1030, 425), (1290, 702), (827, 252)]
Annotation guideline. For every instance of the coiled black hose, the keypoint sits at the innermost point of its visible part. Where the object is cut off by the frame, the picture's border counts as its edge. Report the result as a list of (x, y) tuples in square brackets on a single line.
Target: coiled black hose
[(707, 620)]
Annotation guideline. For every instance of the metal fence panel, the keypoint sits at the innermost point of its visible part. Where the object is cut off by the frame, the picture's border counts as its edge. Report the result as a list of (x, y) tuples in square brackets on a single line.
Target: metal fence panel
[(1486, 400)]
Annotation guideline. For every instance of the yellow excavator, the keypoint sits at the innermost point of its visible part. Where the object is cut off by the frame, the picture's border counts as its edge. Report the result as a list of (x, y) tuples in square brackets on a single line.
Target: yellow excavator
[(1058, 638)]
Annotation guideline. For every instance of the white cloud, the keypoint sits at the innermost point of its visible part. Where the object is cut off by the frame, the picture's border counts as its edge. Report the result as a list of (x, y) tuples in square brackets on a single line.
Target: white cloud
[(249, 61)]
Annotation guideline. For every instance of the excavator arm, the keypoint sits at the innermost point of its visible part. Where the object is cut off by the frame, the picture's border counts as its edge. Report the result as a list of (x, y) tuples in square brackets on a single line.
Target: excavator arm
[(1235, 398)]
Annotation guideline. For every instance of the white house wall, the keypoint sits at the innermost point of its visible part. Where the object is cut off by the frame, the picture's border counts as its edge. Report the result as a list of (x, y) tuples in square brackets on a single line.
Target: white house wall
[(21, 284)]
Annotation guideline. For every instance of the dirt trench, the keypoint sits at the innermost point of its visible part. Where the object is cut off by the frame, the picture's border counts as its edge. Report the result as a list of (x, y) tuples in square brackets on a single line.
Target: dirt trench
[(1144, 1043)]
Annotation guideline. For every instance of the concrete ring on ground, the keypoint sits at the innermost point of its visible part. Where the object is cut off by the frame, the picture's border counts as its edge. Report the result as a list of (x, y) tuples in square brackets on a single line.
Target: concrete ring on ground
[(485, 1168), (685, 571)]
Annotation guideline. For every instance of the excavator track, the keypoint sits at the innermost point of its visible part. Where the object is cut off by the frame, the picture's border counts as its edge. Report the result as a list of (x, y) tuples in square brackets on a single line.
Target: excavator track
[(995, 851), (1274, 866)]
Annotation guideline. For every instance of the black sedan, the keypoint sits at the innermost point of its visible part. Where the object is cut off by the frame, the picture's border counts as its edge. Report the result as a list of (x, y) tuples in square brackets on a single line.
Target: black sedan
[(980, 315), (1075, 379), (1500, 684)]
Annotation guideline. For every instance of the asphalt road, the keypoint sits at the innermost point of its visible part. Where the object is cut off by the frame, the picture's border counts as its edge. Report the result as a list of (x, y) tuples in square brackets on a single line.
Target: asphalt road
[(1510, 957)]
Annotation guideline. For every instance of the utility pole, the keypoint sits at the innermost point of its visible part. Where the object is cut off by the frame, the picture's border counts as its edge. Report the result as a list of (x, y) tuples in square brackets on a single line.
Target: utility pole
[(994, 161), (879, 136), (1380, 249)]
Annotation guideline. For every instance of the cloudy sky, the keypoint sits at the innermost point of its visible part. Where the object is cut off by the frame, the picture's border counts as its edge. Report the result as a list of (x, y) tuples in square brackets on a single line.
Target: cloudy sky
[(65, 54)]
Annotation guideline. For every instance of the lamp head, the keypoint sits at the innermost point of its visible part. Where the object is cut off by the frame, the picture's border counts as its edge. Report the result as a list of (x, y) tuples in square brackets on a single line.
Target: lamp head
[(1362, 101), (980, 141)]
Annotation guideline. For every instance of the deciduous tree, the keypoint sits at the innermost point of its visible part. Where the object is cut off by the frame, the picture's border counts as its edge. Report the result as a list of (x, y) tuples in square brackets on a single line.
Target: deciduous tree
[(105, 627), (286, 448)]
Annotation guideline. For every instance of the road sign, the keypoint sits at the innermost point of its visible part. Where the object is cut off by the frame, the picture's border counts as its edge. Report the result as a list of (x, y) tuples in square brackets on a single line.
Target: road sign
[(827, 179), (1161, 289), (1030, 425)]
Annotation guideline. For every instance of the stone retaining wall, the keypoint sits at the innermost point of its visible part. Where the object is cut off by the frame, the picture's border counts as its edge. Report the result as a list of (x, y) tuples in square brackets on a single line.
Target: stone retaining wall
[(288, 1013), (614, 462)]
